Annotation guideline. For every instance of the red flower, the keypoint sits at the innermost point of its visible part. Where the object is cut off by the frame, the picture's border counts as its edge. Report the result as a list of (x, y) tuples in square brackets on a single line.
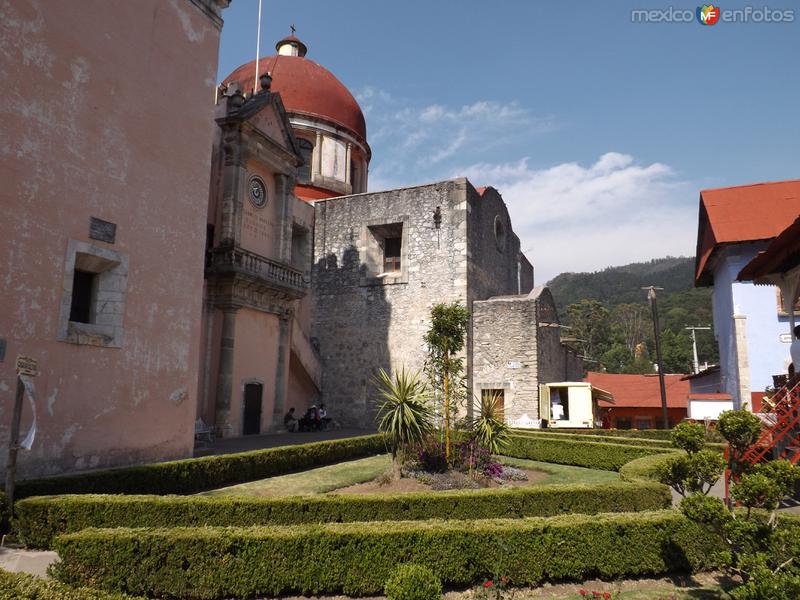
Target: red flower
[(606, 595), (582, 592), (488, 583)]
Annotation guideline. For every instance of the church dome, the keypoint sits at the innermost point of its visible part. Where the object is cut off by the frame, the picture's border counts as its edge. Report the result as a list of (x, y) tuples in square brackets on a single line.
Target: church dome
[(305, 87)]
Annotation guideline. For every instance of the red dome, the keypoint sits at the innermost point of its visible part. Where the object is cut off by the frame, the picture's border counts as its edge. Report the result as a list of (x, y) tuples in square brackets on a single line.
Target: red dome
[(306, 88)]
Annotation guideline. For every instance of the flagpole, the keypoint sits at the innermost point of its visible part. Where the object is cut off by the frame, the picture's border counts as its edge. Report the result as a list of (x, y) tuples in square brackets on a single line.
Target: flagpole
[(258, 49)]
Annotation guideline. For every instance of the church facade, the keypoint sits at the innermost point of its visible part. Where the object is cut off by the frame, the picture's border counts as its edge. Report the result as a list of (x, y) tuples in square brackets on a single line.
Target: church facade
[(249, 272), (369, 266)]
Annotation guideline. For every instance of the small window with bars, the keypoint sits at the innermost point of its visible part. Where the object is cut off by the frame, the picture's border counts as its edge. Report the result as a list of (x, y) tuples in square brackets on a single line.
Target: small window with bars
[(391, 254)]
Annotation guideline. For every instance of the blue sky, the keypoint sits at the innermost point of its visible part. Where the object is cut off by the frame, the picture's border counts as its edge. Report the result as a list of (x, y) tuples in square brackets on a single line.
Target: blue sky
[(599, 132)]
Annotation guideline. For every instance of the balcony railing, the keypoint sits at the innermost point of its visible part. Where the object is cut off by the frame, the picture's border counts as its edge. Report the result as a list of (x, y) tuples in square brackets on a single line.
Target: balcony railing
[(242, 261)]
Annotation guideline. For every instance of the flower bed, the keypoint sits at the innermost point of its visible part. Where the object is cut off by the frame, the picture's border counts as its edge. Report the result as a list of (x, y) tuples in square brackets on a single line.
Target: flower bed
[(357, 558), (39, 520)]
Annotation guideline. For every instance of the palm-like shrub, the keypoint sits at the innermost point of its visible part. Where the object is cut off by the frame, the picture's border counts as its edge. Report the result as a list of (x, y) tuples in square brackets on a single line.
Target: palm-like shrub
[(489, 429), (405, 416)]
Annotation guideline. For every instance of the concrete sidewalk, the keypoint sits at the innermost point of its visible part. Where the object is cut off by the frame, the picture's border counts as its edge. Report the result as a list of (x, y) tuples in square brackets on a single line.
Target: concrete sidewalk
[(17, 560), (273, 440), (791, 507)]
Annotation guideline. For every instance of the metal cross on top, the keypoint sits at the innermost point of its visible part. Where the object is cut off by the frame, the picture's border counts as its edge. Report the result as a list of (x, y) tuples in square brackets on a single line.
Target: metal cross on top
[(293, 28)]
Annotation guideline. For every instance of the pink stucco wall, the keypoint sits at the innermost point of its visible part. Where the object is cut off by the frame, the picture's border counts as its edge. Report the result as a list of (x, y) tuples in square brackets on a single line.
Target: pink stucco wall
[(261, 226), (255, 361), (107, 113)]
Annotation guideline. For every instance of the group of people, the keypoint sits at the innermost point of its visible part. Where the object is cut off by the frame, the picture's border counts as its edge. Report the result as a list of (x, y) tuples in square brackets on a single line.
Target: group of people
[(315, 419)]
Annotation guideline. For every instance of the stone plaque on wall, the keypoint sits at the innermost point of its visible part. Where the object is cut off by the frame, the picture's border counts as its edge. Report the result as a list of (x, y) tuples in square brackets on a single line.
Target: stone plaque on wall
[(101, 230)]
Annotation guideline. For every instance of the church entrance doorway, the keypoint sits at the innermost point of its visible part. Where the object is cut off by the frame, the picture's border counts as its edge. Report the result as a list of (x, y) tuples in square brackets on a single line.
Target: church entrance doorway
[(251, 423)]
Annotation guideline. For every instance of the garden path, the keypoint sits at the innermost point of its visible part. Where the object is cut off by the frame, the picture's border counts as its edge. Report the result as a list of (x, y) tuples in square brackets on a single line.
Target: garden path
[(272, 440), (18, 560)]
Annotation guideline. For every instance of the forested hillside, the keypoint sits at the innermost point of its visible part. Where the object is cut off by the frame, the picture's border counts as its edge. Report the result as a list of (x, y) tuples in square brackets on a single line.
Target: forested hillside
[(610, 318)]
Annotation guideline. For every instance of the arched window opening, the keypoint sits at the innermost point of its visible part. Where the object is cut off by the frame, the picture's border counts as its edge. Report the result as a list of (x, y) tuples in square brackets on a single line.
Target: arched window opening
[(306, 151)]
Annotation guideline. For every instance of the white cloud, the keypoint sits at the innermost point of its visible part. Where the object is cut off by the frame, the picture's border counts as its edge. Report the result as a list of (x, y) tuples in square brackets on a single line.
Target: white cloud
[(574, 217), (413, 143), (585, 218)]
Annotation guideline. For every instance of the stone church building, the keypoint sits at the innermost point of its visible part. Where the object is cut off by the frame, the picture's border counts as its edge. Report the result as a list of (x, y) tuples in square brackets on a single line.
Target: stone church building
[(330, 283), (243, 272)]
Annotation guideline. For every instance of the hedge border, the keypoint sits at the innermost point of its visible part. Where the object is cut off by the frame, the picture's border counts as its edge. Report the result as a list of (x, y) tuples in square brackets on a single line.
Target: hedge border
[(356, 558), (39, 520), (626, 441), (650, 434), (22, 586), (590, 454), (193, 475), (581, 437)]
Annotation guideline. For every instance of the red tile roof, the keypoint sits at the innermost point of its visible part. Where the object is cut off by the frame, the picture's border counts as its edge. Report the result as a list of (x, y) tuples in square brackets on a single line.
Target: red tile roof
[(310, 192), (745, 213), (640, 391)]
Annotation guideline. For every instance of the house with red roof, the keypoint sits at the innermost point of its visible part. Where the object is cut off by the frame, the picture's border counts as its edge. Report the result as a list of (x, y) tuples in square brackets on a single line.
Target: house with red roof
[(750, 321), (637, 399)]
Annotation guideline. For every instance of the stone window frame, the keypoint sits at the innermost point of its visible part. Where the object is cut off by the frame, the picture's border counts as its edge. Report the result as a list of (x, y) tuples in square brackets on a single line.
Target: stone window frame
[(108, 308), (508, 395), (256, 177), (308, 161), (367, 252)]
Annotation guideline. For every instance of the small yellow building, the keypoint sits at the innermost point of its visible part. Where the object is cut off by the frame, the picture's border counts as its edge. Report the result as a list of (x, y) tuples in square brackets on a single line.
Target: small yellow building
[(571, 404)]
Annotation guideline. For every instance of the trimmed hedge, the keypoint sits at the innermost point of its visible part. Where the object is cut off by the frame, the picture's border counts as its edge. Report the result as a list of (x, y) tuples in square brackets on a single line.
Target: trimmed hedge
[(712, 435), (594, 455), (39, 520), (357, 558), (633, 441), (21, 586), (649, 434), (581, 437), (194, 475)]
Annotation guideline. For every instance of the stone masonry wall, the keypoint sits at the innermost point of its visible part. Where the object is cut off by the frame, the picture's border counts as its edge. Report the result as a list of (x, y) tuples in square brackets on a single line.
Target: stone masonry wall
[(517, 347), (505, 353), (494, 259), (363, 323)]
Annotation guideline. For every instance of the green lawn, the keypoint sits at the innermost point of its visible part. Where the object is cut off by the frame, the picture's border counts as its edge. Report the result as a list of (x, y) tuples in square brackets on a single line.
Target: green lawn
[(333, 477), (563, 474), (313, 481)]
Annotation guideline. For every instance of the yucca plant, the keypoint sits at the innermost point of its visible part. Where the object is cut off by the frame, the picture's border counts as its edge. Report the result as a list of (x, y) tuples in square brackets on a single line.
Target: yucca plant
[(489, 429), (405, 416)]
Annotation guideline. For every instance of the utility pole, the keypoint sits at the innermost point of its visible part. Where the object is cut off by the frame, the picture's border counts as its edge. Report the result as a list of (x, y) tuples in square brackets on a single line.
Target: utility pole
[(696, 363), (651, 296)]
